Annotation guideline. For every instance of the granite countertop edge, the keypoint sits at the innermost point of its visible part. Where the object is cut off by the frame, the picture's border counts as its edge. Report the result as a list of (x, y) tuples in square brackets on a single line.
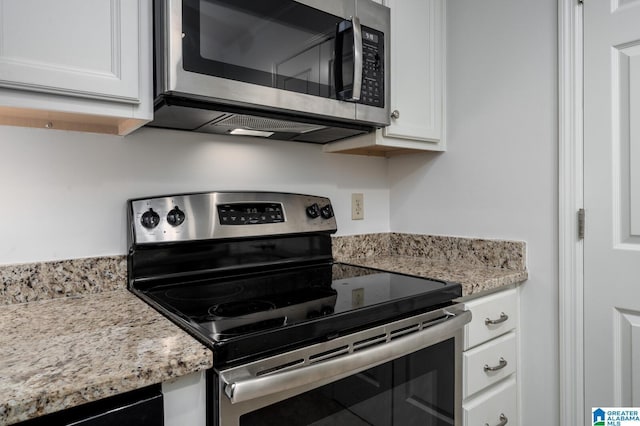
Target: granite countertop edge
[(87, 348)]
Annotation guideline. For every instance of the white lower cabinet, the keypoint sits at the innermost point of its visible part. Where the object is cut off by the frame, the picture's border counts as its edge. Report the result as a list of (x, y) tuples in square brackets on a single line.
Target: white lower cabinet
[(185, 400), (496, 406), (493, 316), (489, 363)]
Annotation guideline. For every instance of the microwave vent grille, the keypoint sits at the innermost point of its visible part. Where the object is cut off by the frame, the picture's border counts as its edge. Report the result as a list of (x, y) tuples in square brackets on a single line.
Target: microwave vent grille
[(265, 124)]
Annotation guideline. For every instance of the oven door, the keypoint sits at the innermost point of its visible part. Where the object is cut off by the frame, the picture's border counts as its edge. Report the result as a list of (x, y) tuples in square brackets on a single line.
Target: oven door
[(404, 373), (277, 54)]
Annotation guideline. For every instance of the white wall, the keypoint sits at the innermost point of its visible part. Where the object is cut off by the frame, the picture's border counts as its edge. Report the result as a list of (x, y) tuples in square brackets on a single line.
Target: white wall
[(499, 176), (64, 193)]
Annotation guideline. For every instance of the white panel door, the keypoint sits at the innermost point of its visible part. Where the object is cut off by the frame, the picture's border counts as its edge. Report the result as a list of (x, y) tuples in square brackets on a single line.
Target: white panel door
[(612, 203), (85, 48)]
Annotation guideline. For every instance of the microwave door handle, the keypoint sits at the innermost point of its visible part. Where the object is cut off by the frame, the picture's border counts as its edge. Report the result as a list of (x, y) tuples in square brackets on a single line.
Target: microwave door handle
[(357, 59), (246, 386), (343, 28)]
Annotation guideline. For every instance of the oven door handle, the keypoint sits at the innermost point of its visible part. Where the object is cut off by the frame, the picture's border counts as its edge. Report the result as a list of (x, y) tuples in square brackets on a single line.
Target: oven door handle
[(249, 387)]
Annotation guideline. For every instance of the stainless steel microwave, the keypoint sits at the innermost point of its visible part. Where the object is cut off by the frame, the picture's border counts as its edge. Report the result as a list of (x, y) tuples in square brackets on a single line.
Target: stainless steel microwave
[(307, 70)]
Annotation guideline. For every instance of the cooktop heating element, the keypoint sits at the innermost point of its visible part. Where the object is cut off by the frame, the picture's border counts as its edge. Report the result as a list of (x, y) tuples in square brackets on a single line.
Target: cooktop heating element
[(251, 274)]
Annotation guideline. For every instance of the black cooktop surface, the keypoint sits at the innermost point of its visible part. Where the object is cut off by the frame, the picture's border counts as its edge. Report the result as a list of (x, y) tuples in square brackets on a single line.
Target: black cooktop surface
[(248, 316)]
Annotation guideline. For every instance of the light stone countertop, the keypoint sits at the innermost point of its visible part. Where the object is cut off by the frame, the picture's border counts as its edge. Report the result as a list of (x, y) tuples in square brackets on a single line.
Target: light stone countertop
[(480, 265), (59, 353), (475, 279)]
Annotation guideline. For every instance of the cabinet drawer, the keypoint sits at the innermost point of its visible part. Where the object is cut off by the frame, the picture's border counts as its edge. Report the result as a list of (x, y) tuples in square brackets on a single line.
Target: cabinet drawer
[(488, 363), (493, 316), (495, 406)]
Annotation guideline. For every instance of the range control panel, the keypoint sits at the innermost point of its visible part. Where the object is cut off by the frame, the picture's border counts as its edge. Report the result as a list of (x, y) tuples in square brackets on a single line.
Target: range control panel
[(250, 213), (213, 215)]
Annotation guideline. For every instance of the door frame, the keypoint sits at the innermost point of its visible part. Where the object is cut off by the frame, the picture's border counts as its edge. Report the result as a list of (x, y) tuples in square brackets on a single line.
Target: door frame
[(570, 200)]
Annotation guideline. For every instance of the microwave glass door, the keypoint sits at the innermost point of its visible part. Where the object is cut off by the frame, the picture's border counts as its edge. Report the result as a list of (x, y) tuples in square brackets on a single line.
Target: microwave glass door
[(274, 43), (417, 389)]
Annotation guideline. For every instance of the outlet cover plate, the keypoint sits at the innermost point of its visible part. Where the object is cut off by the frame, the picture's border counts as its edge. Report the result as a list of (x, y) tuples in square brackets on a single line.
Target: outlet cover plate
[(357, 206)]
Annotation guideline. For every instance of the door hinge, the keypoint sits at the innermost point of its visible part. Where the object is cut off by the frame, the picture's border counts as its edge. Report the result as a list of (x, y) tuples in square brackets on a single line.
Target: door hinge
[(581, 224)]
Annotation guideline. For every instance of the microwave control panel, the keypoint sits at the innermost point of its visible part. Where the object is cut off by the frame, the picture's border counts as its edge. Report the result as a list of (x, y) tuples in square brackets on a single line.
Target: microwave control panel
[(372, 68)]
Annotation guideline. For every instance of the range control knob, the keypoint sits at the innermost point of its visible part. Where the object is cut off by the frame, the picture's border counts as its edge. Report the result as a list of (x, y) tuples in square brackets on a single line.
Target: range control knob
[(327, 211), (175, 217), (150, 219), (313, 211)]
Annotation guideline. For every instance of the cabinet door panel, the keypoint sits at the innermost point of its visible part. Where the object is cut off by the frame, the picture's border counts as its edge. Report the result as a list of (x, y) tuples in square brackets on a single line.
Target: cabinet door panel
[(416, 73), (72, 47)]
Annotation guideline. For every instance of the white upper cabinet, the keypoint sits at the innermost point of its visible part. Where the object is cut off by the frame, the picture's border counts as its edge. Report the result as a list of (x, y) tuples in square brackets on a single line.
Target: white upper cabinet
[(417, 52), (76, 64), (74, 47), (417, 83)]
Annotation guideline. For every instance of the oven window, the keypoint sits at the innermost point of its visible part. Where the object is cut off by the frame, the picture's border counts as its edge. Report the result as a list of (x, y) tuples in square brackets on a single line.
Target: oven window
[(273, 43), (418, 389)]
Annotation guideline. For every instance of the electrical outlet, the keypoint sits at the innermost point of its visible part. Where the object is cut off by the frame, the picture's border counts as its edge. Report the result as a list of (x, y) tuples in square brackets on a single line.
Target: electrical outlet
[(357, 206)]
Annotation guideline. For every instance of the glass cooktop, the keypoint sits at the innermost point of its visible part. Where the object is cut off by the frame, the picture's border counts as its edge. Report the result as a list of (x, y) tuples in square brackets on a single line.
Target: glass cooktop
[(255, 314)]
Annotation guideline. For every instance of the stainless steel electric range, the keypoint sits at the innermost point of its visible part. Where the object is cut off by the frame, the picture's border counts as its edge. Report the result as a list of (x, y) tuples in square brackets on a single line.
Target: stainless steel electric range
[(297, 338)]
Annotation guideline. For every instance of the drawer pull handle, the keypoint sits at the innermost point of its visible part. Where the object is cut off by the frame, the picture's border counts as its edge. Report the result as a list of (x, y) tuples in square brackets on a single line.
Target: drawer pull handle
[(503, 420), (502, 363), (503, 318)]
